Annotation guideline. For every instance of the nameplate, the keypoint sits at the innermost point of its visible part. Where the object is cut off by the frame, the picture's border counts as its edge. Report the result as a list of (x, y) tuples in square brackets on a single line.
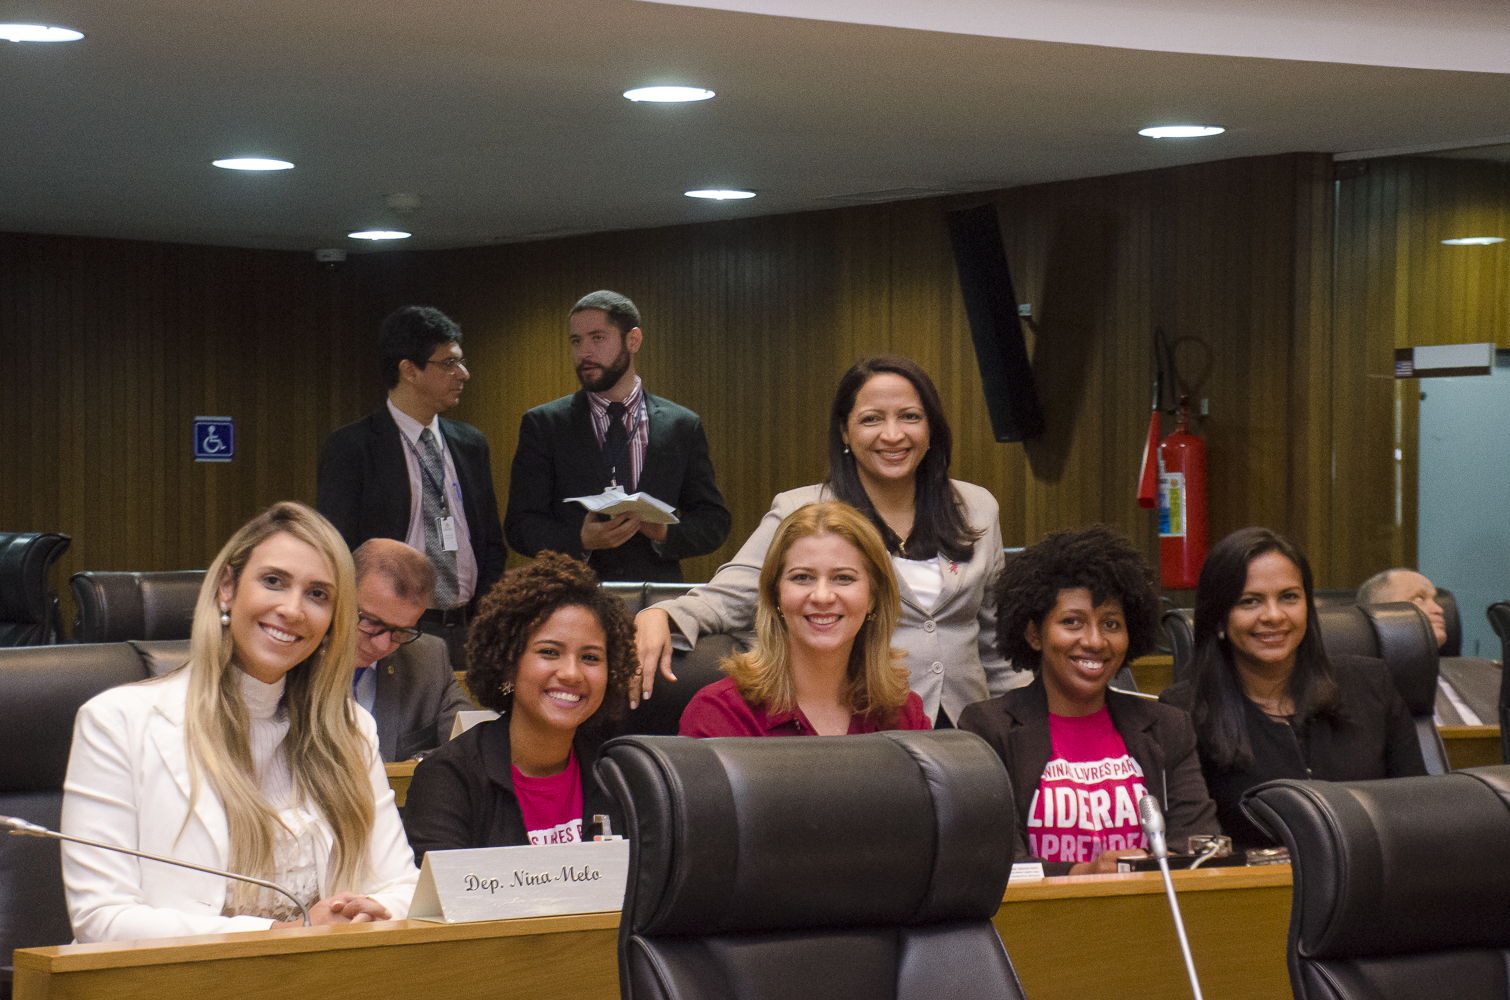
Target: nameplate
[(499, 883), (1026, 871)]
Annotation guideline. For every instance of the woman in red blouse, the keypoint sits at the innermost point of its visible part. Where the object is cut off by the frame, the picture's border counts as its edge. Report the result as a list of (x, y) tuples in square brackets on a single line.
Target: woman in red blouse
[(822, 663)]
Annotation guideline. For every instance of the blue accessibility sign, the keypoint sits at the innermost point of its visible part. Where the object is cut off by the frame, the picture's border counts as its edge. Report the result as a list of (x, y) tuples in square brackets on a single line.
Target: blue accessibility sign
[(214, 439)]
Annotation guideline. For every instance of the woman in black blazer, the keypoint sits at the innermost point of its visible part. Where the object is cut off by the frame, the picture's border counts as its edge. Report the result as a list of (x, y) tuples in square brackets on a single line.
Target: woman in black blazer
[(553, 654), (1266, 700)]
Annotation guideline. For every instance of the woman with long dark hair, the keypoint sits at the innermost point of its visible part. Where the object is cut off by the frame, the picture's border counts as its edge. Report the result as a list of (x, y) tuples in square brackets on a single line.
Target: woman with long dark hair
[(889, 448), (1266, 699)]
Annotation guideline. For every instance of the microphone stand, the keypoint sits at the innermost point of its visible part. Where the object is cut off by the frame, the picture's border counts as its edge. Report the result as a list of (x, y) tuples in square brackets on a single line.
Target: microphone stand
[(21, 828), (1152, 820)]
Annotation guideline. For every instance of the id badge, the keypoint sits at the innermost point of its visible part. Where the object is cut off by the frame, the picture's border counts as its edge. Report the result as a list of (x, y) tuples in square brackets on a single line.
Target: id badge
[(447, 526)]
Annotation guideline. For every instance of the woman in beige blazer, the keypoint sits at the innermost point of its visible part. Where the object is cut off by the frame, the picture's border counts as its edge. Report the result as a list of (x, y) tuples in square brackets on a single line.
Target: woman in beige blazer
[(889, 451)]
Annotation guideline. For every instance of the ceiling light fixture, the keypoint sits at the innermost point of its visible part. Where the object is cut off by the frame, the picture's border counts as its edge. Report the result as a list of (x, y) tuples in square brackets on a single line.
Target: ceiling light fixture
[(1474, 241), (668, 95), (380, 234), (720, 194), (252, 163), (38, 33), (1180, 131)]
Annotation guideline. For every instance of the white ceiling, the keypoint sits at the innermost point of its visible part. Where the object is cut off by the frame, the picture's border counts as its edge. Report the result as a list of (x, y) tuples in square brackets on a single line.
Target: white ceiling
[(504, 118)]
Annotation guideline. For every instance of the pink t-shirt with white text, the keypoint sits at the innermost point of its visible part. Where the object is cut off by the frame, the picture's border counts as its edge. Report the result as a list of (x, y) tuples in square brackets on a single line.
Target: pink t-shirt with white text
[(552, 806), (1087, 799)]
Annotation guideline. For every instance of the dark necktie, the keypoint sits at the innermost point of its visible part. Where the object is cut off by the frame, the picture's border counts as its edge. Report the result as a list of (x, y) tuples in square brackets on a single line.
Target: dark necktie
[(616, 442), (432, 507)]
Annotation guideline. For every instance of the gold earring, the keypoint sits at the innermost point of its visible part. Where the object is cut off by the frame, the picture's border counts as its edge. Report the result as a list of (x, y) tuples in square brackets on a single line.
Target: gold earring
[(225, 614), (506, 688)]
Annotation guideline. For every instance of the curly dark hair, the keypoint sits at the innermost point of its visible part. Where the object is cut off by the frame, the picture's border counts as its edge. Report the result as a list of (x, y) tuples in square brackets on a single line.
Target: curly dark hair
[(1095, 557), (524, 600)]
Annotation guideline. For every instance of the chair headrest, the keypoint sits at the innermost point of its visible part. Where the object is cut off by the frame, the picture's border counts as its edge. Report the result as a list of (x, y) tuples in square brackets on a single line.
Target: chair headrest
[(41, 689), (119, 607), (24, 562), (753, 834), (1408, 645), (1346, 630), (1396, 866)]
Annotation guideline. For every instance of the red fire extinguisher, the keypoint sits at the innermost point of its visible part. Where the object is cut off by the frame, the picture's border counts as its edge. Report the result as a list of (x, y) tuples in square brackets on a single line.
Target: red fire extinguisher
[(1182, 505)]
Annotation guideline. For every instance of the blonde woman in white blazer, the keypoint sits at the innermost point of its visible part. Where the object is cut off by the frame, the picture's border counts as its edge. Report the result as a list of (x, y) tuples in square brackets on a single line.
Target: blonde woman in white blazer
[(889, 450), (252, 758)]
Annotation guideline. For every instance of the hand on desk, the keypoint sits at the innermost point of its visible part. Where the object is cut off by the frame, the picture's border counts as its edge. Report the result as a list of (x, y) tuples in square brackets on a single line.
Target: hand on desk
[(1106, 862), (652, 641), (342, 908)]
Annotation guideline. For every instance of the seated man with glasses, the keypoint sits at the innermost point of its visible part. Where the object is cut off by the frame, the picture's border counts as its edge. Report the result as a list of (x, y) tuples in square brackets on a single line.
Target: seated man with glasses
[(403, 677)]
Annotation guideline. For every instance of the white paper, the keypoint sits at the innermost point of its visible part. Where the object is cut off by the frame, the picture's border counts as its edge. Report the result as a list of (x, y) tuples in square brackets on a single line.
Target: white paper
[(614, 501), (500, 883)]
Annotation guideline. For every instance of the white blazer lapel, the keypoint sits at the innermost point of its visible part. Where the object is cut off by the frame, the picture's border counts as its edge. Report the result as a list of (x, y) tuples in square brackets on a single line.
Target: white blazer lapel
[(167, 736)]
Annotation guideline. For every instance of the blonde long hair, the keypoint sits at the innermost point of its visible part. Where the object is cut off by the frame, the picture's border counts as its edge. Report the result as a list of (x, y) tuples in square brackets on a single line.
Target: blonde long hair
[(877, 679), (327, 755)]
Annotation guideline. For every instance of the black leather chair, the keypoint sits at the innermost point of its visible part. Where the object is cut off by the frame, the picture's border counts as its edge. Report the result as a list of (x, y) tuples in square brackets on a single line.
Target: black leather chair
[(1400, 634), (1400, 885), (834, 867), (1454, 622), (41, 689), (117, 607), (1179, 626), (1499, 619), (28, 608)]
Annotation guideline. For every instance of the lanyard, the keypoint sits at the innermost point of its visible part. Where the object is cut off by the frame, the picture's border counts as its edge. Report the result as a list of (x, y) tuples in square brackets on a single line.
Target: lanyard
[(440, 488)]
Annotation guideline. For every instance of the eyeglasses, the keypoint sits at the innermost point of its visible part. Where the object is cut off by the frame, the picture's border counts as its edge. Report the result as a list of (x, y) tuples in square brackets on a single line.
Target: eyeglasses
[(449, 365), (374, 628)]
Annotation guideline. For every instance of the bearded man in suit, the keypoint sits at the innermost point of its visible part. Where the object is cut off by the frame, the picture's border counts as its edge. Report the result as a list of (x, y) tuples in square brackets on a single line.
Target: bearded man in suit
[(613, 432)]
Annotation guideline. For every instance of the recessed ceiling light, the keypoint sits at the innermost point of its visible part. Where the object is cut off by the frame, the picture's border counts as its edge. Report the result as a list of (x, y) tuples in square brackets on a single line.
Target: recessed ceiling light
[(380, 234), (252, 163), (720, 194), (1180, 131), (38, 33), (1474, 241), (668, 95)]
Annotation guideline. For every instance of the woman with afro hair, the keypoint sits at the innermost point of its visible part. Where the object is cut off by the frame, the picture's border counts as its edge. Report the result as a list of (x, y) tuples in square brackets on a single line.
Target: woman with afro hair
[(553, 654), (1074, 608)]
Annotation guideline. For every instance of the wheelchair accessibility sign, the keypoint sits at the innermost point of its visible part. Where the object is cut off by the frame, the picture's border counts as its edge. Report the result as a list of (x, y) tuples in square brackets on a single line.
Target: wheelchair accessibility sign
[(214, 439)]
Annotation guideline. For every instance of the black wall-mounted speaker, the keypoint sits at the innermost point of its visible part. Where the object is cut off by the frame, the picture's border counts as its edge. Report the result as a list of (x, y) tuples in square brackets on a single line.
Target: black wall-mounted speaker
[(991, 303)]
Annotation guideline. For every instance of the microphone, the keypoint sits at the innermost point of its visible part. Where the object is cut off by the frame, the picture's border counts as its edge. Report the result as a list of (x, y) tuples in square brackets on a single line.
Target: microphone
[(1152, 820), (21, 828)]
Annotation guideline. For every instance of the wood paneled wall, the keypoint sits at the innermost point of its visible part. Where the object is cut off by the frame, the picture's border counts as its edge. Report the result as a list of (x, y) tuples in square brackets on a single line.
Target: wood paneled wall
[(1398, 286), (113, 347)]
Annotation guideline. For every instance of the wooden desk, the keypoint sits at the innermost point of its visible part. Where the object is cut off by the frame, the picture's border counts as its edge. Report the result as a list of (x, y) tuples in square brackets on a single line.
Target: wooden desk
[(1113, 935), (399, 776), (1067, 938), (1471, 746)]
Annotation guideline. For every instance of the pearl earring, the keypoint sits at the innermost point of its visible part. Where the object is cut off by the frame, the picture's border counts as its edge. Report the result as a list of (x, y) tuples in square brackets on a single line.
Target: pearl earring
[(846, 449), (225, 614), (1221, 633)]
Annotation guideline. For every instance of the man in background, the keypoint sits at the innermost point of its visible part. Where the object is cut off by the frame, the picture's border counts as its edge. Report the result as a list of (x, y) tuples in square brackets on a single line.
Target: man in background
[(403, 677), (404, 472), (613, 432), (1467, 687)]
